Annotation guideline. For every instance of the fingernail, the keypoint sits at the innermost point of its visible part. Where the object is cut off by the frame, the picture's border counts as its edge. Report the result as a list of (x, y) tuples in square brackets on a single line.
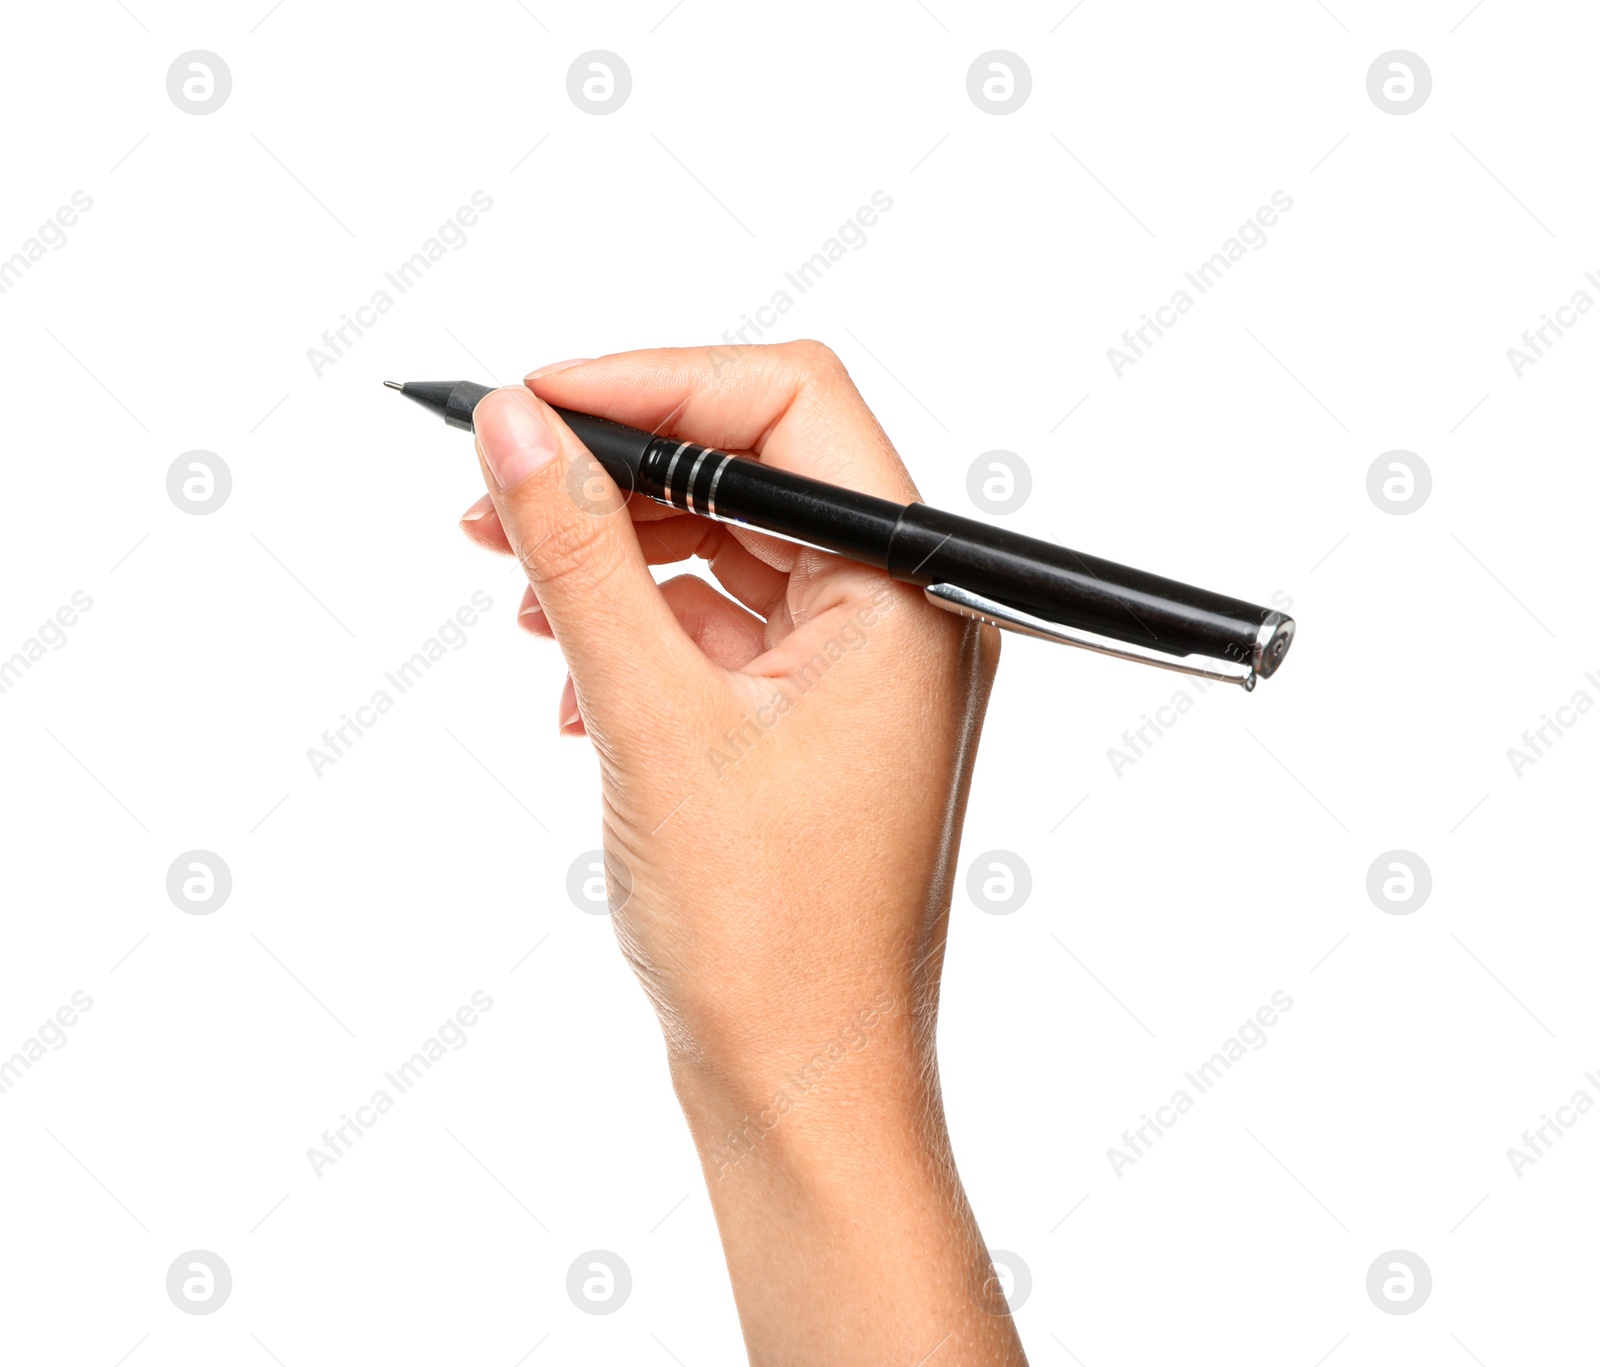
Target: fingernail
[(479, 510), (532, 614), (570, 716), (512, 436), (557, 365)]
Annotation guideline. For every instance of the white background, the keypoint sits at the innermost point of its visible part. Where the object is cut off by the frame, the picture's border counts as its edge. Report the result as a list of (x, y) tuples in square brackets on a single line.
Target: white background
[(430, 862)]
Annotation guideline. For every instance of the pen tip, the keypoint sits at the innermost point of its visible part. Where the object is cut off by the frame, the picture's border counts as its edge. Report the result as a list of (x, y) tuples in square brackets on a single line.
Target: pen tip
[(394, 384)]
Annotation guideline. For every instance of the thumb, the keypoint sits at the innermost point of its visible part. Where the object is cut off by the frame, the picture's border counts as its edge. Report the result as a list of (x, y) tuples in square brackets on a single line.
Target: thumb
[(569, 526)]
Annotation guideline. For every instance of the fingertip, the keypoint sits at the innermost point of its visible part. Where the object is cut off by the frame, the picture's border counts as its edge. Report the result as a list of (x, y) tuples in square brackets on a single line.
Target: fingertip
[(481, 525), (570, 721), (478, 511), (530, 616)]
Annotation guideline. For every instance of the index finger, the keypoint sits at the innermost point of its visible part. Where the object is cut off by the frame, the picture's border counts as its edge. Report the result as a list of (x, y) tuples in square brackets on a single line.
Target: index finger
[(792, 404)]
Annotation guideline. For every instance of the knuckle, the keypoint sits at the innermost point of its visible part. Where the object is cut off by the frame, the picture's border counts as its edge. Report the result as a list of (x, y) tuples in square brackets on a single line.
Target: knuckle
[(816, 360)]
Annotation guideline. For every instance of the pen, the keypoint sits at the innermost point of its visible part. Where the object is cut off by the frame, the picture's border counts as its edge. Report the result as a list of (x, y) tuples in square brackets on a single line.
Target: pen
[(1037, 588)]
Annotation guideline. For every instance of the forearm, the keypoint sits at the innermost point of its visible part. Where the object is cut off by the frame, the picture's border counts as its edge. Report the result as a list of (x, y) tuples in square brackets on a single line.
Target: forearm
[(848, 1236)]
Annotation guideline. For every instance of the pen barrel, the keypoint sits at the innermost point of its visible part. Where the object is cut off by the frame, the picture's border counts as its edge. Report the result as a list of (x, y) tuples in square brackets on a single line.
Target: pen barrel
[(738, 489), (921, 545), (728, 488), (1070, 588)]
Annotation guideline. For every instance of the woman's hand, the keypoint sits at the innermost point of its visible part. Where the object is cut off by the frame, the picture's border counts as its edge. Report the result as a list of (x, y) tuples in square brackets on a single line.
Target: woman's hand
[(784, 772)]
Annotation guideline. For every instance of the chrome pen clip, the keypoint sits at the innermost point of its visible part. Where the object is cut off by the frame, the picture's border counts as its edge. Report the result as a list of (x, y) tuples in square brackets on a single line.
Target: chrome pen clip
[(965, 603)]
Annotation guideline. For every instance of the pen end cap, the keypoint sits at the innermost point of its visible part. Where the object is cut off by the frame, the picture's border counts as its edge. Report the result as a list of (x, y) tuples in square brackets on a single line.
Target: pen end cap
[(1272, 643)]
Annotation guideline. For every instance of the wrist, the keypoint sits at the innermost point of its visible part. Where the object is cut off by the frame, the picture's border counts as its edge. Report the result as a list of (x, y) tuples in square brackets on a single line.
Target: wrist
[(797, 1100)]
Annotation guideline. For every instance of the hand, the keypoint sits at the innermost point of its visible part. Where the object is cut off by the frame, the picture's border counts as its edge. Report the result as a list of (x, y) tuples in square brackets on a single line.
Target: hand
[(784, 773)]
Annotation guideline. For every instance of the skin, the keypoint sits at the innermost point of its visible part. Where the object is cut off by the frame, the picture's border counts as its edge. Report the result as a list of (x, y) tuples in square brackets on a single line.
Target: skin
[(784, 772)]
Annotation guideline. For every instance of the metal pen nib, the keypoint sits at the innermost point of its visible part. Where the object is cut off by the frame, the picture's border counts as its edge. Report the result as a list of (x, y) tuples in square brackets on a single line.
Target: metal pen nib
[(452, 400)]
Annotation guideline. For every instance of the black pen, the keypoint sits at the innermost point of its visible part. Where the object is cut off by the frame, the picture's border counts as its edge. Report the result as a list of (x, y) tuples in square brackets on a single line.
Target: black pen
[(1025, 585)]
